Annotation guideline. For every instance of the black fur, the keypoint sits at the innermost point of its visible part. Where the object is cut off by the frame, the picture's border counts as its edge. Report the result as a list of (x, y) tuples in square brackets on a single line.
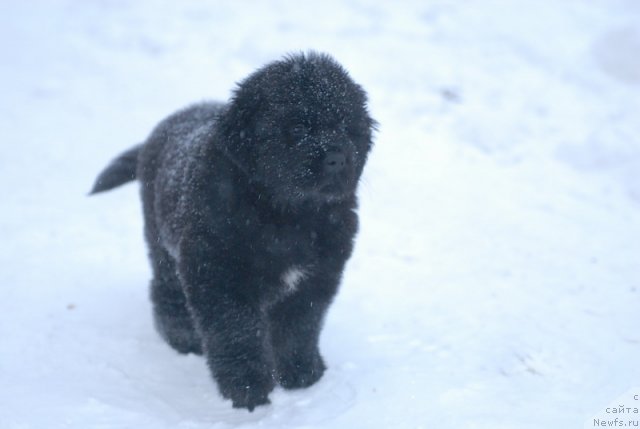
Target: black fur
[(250, 217), (120, 171)]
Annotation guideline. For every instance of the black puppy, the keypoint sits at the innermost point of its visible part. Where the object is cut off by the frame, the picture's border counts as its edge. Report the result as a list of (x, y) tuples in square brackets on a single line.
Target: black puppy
[(249, 212)]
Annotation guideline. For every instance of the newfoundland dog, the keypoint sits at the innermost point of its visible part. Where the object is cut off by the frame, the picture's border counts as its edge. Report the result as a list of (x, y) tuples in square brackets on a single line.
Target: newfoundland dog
[(250, 216)]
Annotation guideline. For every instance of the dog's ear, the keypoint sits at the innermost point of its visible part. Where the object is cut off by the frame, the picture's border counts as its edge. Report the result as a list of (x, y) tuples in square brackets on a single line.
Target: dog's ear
[(237, 126)]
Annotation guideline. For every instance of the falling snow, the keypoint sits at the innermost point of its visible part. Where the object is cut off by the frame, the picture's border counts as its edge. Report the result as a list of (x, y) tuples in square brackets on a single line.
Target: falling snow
[(496, 278)]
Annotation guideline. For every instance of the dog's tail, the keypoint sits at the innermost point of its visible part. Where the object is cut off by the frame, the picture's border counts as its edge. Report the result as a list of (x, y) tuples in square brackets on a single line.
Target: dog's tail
[(120, 171)]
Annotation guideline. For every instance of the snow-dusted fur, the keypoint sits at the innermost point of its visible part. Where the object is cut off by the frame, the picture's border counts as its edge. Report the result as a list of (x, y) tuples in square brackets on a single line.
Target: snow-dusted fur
[(250, 217)]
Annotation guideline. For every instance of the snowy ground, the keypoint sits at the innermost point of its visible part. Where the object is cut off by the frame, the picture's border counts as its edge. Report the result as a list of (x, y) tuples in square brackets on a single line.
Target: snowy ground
[(496, 282)]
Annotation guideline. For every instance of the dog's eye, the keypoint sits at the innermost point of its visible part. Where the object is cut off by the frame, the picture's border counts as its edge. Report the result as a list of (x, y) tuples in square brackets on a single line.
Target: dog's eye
[(357, 129), (298, 131)]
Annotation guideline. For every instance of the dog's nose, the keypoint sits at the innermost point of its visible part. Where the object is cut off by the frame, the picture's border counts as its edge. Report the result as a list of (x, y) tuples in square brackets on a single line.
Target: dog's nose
[(334, 162)]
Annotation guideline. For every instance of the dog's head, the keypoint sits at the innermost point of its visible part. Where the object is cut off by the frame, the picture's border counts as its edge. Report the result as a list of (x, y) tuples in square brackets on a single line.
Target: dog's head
[(300, 128)]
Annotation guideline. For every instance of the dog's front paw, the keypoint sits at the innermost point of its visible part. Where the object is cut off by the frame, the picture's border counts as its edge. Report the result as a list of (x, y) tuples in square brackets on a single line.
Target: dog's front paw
[(250, 394), (298, 373), (250, 398)]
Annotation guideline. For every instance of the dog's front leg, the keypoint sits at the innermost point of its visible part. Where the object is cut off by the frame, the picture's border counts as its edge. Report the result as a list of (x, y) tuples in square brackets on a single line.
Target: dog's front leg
[(295, 325), (229, 320)]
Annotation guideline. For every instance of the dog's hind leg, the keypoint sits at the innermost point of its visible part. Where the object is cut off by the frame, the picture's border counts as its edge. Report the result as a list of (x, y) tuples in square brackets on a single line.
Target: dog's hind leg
[(172, 319)]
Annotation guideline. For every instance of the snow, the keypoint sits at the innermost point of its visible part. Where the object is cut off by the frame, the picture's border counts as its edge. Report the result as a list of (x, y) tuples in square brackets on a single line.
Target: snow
[(495, 282)]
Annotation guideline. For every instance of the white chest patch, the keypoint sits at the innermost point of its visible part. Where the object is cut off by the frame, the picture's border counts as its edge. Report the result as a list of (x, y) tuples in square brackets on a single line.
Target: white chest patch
[(292, 277)]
